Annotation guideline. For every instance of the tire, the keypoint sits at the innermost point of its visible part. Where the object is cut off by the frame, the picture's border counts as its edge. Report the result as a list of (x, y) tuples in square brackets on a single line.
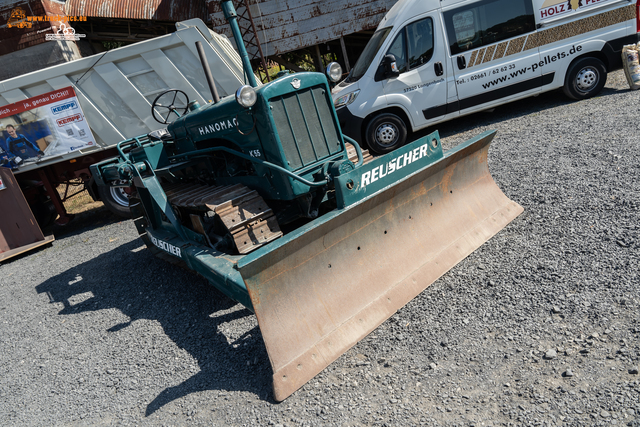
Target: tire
[(585, 78), (135, 205), (116, 200), (385, 132), (44, 212)]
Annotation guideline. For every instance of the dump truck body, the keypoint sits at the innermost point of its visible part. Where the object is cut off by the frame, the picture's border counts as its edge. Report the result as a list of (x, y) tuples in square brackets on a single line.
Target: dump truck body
[(264, 196)]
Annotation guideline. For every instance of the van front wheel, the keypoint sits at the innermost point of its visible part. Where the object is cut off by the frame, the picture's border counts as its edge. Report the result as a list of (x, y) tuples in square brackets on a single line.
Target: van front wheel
[(585, 78), (385, 133)]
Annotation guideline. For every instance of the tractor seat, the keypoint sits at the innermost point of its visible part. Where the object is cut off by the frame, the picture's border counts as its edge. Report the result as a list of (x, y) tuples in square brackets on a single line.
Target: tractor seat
[(160, 135)]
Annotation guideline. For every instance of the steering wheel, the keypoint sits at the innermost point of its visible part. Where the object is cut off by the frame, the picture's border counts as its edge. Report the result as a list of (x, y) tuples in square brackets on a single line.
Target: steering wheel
[(167, 101)]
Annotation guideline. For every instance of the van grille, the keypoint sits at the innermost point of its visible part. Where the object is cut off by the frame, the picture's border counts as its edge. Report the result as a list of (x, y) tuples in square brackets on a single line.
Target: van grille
[(306, 127)]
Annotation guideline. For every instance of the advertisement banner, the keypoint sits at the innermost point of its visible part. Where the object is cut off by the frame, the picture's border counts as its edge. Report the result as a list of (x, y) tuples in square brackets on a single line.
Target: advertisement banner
[(548, 9), (43, 126)]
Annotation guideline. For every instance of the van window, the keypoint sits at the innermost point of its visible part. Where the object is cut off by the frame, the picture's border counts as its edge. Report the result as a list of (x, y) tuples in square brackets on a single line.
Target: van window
[(370, 51), (420, 37), (399, 49), (486, 22), (413, 46)]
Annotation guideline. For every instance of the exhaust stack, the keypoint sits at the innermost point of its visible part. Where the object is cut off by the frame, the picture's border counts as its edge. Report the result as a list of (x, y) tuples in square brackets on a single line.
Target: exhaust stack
[(231, 16), (207, 73)]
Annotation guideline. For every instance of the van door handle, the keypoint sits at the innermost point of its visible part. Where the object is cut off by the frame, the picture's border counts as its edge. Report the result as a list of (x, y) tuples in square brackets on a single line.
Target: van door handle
[(462, 63), (439, 68)]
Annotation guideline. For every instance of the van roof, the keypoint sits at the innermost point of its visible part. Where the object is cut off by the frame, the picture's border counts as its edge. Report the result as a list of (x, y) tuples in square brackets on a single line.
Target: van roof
[(407, 9)]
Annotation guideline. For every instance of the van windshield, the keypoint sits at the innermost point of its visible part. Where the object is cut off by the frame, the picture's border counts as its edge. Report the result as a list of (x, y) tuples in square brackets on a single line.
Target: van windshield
[(370, 51)]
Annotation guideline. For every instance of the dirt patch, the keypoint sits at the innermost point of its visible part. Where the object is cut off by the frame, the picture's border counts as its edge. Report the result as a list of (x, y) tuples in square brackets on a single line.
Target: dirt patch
[(75, 199)]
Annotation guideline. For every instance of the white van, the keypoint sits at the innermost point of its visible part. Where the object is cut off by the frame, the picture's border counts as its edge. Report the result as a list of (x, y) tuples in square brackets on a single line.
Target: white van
[(434, 60)]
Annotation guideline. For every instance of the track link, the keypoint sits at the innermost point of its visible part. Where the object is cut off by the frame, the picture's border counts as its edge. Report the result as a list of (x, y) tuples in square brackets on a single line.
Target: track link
[(353, 154), (247, 217)]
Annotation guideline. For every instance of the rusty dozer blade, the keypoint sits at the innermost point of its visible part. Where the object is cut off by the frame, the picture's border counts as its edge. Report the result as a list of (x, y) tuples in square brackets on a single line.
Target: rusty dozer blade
[(319, 290)]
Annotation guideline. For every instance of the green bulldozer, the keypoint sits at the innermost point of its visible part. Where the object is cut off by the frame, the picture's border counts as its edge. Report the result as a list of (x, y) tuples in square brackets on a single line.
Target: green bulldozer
[(264, 196)]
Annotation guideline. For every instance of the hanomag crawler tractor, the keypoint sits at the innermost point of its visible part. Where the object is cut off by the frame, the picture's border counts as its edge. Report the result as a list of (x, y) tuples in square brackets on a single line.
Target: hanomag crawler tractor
[(260, 195)]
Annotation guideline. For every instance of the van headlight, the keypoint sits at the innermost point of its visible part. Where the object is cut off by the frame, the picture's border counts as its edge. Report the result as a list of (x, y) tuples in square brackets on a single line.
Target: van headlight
[(347, 99), (246, 96)]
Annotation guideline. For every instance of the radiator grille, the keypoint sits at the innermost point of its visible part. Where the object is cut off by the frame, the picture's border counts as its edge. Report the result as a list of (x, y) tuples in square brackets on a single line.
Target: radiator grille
[(305, 125)]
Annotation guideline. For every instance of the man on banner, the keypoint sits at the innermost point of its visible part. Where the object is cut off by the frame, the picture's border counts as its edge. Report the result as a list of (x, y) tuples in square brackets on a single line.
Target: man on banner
[(19, 145)]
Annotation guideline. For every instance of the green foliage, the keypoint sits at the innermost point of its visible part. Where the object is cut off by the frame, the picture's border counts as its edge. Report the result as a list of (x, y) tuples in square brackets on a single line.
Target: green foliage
[(303, 59), (112, 45)]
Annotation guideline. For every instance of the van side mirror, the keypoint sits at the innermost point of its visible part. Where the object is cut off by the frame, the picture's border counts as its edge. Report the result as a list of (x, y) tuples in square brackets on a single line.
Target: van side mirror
[(388, 68)]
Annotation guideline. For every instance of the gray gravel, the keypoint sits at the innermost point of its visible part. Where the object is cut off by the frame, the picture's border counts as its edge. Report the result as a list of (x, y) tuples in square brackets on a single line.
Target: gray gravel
[(538, 327)]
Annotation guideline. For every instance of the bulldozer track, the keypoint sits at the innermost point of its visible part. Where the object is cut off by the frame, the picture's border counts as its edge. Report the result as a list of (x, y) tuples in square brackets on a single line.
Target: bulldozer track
[(353, 154), (244, 213), (247, 217)]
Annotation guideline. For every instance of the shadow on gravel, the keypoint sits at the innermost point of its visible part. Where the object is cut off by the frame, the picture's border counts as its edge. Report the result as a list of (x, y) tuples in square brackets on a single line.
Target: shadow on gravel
[(190, 311), (499, 114), (84, 221), (516, 109)]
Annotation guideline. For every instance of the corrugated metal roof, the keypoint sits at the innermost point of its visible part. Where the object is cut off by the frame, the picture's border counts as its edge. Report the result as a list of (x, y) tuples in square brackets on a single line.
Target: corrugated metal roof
[(163, 10)]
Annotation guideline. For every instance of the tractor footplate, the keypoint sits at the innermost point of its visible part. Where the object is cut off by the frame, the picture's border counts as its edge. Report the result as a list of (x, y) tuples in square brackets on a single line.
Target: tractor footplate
[(247, 217)]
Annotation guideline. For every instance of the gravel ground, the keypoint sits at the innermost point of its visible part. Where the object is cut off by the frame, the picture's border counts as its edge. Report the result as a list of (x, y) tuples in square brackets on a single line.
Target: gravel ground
[(539, 326)]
